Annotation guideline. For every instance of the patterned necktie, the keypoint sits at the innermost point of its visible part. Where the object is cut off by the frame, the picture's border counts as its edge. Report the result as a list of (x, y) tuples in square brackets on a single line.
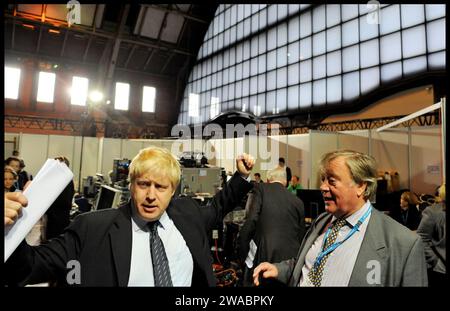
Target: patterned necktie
[(315, 274), (161, 272)]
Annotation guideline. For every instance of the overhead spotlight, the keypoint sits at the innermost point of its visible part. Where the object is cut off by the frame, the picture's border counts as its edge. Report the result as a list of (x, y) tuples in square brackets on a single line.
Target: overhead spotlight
[(108, 102), (55, 66), (96, 96)]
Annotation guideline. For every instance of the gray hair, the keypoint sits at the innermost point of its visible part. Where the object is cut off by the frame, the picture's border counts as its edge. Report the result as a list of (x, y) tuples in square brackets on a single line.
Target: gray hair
[(277, 174), (362, 167)]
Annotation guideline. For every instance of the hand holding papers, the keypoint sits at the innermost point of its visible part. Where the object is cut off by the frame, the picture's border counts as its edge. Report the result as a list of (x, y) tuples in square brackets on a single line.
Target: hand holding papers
[(49, 182)]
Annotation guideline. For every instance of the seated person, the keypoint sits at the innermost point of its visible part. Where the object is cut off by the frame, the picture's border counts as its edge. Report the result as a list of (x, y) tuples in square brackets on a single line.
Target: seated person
[(407, 213), (18, 165), (10, 178), (294, 185)]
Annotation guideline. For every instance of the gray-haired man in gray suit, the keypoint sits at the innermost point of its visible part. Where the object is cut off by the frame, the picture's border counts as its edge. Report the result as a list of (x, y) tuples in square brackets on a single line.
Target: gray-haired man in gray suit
[(352, 244)]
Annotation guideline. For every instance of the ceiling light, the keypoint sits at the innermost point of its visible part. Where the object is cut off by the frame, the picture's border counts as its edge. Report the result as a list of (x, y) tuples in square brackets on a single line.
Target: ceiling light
[(96, 96)]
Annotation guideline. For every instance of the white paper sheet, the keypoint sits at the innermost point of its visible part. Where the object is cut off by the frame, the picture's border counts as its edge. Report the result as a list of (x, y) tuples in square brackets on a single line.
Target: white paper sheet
[(48, 184)]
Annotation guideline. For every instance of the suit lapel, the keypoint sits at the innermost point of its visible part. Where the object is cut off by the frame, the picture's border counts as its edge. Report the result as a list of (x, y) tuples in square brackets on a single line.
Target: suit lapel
[(316, 229), (371, 253), (121, 242)]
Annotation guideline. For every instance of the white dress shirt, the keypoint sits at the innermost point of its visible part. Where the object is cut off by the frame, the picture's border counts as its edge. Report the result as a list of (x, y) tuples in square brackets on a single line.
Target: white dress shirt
[(181, 264), (339, 265)]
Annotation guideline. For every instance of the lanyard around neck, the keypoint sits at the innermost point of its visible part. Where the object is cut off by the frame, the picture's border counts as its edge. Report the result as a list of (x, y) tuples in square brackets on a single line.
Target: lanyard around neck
[(335, 245)]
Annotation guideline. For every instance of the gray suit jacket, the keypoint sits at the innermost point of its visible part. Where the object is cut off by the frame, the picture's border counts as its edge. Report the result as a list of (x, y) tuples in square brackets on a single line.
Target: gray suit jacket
[(398, 251), (432, 230)]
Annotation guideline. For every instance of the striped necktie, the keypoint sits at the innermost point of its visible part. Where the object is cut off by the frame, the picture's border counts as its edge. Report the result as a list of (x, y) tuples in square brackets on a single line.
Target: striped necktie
[(161, 272), (316, 274)]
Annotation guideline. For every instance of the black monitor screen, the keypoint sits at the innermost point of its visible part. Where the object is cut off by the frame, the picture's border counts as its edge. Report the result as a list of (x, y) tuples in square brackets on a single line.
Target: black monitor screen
[(106, 198), (313, 202)]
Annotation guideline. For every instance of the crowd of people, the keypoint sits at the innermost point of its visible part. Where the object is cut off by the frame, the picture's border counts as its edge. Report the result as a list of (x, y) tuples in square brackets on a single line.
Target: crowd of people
[(157, 239)]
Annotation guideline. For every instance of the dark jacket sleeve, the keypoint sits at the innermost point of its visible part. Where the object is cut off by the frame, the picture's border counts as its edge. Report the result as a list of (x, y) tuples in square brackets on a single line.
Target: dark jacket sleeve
[(225, 200), (58, 215), (425, 231), (46, 262), (248, 230)]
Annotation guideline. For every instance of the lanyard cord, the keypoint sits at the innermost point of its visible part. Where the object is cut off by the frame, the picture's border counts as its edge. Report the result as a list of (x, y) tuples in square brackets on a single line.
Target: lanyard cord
[(335, 245)]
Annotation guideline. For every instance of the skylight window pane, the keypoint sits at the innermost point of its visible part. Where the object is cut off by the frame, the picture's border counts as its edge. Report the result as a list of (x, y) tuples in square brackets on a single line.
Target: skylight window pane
[(79, 91), (194, 105), (215, 107), (12, 81), (412, 14), (121, 96), (414, 42), (148, 99), (46, 87)]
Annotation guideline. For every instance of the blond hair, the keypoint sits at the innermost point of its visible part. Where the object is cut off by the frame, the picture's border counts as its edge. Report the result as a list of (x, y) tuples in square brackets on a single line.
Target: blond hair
[(362, 167), (441, 193), (410, 197), (158, 161)]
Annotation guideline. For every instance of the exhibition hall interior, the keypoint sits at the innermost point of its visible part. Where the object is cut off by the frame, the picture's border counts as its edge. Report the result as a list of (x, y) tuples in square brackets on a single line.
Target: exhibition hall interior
[(233, 137)]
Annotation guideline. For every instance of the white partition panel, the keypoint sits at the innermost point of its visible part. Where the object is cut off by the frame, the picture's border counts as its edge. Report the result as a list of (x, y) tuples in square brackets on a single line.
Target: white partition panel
[(299, 155), (178, 146), (130, 148), (211, 150), (76, 161), (321, 143), (90, 155), (279, 148), (59, 145), (9, 146), (240, 146), (152, 142), (390, 149), (426, 161), (354, 140), (111, 150), (167, 144), (268, 153), (34, 150), (227, 155)]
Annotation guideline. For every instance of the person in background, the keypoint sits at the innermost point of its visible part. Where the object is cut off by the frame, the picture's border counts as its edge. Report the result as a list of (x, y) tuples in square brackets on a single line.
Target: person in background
[(294, 185), (282, 164), (274, 226), (10, 178), (408, 213), (351, 244), (153, 240), (36, 235), (58, 214), (258, 179), (22, 176), (432, 230)]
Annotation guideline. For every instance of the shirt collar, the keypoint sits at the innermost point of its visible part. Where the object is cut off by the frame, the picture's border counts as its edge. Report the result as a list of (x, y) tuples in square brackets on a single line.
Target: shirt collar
[(353, 218), (141, 224)]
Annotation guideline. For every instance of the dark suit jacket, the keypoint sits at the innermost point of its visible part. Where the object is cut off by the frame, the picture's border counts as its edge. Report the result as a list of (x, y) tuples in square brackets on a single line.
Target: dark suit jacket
[(101, 242), (276, 223), (288, 175), (58, 214), (398, 251), (410, 218)]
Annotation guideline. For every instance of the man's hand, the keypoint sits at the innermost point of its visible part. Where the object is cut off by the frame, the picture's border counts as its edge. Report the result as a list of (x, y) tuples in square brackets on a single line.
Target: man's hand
[(268, 271), (14, 202), (244, 164)]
